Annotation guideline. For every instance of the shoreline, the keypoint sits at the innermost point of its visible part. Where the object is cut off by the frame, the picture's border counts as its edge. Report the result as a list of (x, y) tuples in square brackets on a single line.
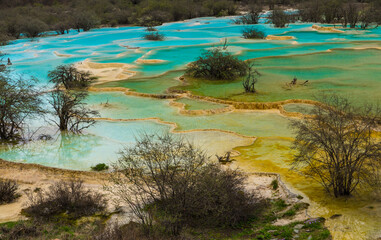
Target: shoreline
[(31, 176)]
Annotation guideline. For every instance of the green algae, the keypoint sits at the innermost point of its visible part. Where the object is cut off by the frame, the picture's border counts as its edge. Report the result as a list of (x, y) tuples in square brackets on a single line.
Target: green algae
[(252, 123), (348, 72), (357, 220), (298, 107)]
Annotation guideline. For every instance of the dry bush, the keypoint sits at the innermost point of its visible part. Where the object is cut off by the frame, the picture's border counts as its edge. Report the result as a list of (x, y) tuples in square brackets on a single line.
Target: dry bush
[(20, 230), (71, 198), (252, 33), (154, 36), (8, 191), (168, 183)]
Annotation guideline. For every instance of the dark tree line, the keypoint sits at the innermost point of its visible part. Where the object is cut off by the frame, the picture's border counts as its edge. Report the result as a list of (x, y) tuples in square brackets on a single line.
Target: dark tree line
[(32, 18), (25, 18), (352, 14)]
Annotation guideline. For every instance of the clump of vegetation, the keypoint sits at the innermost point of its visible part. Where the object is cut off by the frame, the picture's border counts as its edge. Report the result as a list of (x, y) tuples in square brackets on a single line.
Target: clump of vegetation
[(69, 198), (69, 77), (169, 184), (151, 29), (338, 147), (279, 205), (155, 36), (59, 228), (100, 167), (279, 18), (274, 184), (217, 64), (8, 191), (253, 33)]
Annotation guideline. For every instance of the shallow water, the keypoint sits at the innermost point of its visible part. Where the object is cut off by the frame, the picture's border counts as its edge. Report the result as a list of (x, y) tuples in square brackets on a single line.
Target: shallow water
[(191, 104), (299, 108), (348, 63)]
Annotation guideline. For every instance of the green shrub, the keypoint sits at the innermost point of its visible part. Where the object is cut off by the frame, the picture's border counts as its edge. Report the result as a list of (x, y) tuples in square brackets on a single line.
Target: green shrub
[(8, 191), (289, 213), (252, 33), (279, 205), (100, 167), (217, 64), (154, 36)]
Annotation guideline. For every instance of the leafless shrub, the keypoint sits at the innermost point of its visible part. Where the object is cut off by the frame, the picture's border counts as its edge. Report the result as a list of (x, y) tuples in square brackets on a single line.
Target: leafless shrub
[(8, 191), (65, 197), (169, 184), (70, 110), (251, 79)]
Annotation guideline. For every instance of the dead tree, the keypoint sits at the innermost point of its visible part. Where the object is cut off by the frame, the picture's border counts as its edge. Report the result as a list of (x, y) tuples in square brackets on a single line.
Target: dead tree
[(70, 111), (251, 79), (20, 100), (225, 159)]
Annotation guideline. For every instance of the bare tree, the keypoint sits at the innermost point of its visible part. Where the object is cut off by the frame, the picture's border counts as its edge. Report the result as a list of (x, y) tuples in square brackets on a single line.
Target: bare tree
[(71, 111), (337, 146), (69, 77), (251, 79), (350, 13), (252, 17), (19, 101)]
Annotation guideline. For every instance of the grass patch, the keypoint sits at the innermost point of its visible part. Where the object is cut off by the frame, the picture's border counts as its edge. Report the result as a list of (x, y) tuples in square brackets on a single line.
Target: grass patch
[(279, 205), (60, 228)]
